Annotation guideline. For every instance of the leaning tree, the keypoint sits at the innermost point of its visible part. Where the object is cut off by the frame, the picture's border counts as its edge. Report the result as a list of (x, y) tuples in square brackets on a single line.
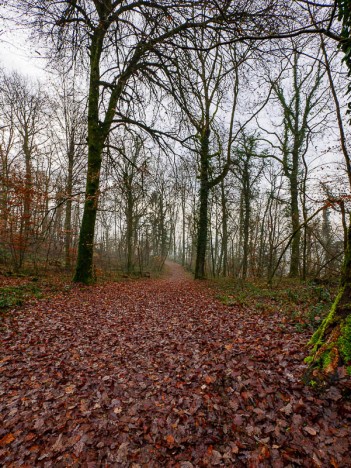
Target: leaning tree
[(330, 355)]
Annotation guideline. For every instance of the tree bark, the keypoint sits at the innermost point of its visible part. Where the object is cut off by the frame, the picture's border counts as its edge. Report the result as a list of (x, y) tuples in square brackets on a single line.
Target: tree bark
[(224, 255), (68, 214), (183, 195), (201, 245), (27, 199), (130, 230), (295, 222), (298, 137), (246, 216), (84, 268)]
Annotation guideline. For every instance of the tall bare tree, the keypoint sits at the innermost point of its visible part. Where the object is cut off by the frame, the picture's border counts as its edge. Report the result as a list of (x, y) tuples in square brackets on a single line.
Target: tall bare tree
[(299, 107), (117, 41)]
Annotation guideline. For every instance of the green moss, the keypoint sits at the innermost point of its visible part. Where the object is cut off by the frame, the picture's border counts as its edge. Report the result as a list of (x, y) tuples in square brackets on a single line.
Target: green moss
[(11, 296), (323, 361), (345, 340), (326, 359), (317, 337), (348, 370)]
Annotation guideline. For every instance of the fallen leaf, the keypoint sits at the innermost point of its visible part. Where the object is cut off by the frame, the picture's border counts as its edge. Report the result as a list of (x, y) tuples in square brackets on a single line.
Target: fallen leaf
[(7, 439), (170, 439), (287, 409), (310, 430), (209, 379), (70, 389), (58, 444)]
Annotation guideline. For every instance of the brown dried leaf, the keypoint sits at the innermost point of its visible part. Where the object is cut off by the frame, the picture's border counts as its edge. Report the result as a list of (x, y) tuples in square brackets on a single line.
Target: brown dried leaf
[(7, 439), (310, 430)]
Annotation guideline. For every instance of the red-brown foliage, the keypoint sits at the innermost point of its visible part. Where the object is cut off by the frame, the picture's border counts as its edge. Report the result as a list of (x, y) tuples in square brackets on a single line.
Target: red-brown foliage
[(159, 373)]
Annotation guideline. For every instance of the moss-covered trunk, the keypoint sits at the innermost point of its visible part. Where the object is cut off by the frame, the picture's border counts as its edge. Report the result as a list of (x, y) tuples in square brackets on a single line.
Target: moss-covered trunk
[(331, 343), (201, 245), (295, 223), (84, 268), (298, 137)]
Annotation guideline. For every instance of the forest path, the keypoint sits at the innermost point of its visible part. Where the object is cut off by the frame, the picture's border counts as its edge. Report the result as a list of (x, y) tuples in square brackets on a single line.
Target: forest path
[(176, 273), (156, 373)]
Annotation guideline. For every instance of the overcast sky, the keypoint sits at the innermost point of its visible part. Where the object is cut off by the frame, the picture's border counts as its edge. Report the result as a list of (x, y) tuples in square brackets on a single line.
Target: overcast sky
[(18, 53)]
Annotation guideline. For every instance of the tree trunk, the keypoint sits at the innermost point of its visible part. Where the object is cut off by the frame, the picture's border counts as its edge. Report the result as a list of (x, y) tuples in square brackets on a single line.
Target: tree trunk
[(130, 231), (68, 214), (183, 226), (224, 231), (203, 212), (344, 223), (4, 180), (246, 220), (162, 226), (295, 222), (27, 200), (84, 268)]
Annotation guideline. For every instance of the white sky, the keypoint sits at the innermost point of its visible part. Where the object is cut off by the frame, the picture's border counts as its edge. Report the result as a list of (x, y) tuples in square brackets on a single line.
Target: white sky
[(18, 53)]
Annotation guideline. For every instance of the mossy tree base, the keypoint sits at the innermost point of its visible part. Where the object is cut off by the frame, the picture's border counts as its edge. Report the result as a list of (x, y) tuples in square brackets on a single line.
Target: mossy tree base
[(330, 356)]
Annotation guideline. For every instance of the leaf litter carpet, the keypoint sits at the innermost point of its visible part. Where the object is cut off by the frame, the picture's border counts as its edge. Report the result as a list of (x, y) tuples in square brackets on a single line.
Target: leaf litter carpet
[(158, 373)]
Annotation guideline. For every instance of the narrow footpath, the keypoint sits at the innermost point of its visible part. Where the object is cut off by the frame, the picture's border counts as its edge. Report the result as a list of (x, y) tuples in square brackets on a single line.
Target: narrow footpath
[(158, 373)]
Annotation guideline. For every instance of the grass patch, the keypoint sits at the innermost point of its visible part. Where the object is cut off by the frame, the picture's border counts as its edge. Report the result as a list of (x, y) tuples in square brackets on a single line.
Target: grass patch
[(304, 304)]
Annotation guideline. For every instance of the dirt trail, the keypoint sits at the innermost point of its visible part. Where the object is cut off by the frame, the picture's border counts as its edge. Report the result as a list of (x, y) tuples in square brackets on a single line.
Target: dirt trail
[(157, 373), (176, 273)]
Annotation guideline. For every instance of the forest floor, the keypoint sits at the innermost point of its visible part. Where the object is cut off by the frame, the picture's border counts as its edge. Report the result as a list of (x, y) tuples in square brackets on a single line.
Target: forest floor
[(158, 373)]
